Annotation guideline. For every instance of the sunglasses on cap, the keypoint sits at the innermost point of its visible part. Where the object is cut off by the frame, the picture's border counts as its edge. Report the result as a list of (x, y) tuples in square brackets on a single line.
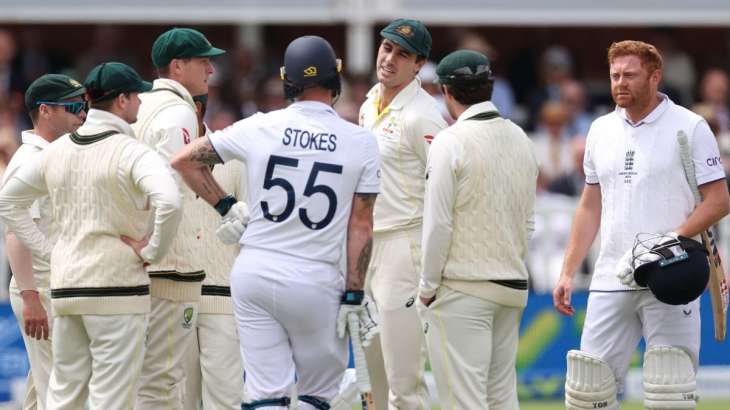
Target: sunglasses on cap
[(73, 107)]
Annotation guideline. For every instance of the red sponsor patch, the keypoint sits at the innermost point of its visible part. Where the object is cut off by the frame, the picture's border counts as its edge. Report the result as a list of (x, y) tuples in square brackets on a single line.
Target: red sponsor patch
[(428, 138), (186, 136)]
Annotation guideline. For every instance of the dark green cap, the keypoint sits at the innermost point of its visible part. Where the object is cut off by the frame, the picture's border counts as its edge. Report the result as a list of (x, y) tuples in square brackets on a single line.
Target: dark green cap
[(181, 43), (52, 88), (463, 66), (409, 34), (108, 80)]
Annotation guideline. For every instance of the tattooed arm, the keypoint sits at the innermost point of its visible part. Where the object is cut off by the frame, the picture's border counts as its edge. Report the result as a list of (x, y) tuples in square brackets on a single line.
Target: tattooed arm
[(359, 240), (193, 164)]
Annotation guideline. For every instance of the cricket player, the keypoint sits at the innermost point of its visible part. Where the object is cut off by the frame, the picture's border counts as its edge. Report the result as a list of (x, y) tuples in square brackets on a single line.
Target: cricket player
[(213, 369), (56, 106), (102, 185), (481, 182), (404, 119), (167, 122), (635, 183), (312, 182)]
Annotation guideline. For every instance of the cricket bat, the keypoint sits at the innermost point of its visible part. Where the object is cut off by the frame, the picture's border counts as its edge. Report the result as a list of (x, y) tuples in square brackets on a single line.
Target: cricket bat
[(361, 366), (718, 284)]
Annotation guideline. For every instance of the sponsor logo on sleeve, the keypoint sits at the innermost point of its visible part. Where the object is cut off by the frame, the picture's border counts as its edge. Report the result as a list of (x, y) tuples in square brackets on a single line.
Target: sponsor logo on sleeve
[(713, 161)]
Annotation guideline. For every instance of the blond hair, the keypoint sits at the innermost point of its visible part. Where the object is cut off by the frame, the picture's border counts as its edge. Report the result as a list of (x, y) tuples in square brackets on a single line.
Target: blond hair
[(647, 53)]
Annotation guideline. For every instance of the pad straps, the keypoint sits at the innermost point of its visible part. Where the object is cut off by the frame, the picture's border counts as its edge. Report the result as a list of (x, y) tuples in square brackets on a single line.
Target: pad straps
[(281, 401)]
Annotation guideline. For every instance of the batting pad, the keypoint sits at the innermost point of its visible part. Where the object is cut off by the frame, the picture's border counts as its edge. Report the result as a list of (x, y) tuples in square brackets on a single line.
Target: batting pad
[(669, 379), (590, 383)]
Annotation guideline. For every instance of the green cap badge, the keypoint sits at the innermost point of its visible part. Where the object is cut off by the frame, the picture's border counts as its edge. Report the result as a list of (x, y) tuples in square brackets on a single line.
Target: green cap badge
[(52, 88), (409, 34)]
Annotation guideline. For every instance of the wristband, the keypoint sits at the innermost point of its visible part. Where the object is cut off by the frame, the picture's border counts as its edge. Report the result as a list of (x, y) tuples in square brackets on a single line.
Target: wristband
[(225, 204), (352, 297)]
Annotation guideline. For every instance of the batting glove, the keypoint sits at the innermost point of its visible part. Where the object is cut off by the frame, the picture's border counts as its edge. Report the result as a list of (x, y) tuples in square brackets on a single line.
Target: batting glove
[(233, 224), (640, 254), (355, 302), (626, 270)]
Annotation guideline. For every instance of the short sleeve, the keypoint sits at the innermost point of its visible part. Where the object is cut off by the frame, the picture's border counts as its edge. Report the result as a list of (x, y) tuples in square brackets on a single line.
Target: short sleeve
[(233, 142), (370, 177), (589, 167), (706, 155)]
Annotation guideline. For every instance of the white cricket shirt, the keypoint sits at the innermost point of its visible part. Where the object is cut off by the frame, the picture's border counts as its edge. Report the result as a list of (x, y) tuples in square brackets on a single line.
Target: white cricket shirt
[(643, 186), (304, 165), (404, 131)]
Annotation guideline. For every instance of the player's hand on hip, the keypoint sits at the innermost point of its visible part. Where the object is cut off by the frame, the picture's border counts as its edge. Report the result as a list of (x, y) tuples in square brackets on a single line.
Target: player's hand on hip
[(137, 246), (233, 224), (562, 294), (35, 318)]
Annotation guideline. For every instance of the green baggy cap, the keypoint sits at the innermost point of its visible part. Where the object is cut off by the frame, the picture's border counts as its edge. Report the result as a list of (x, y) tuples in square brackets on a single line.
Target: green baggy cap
[(463, 66), (181, 43), (52, 88), (409, 34), (108, 80)]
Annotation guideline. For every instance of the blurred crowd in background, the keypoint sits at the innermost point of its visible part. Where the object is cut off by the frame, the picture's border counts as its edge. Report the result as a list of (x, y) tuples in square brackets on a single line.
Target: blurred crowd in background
[(546, 96)]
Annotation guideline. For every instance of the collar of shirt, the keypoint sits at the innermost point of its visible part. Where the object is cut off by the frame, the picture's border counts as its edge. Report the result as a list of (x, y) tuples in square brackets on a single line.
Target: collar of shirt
[(99, 120), (653, 116), (31, 138), (312, 106), (172, 84), (400, 100), (477, 108)]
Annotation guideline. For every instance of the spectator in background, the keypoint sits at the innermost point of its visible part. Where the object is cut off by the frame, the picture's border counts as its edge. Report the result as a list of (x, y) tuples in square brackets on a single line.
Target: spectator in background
[(108, 45), (572, 182), (714, 89), (502, 95), (552, 144), (270, 95), (556, 68), (573, 98), (679, 74), (427, 74)]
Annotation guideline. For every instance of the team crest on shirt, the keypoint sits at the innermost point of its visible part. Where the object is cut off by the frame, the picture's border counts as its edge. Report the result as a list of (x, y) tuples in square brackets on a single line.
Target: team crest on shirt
[(628, 171), (428, 138), (187, 318), (74, 83)]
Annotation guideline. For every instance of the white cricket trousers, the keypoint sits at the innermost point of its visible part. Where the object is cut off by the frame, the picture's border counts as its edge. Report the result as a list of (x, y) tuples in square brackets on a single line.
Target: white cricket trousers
[(472, 343), (168, 341), (616, 321), (213, 370), (99, 357), (39, 352), (394, 273), (286, 310)]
